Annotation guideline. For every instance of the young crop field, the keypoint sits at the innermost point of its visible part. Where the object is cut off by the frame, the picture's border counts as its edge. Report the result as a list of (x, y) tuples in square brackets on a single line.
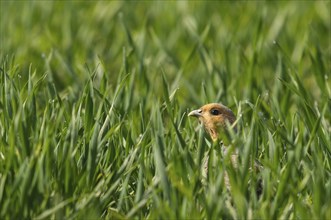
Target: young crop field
[(95, 97)]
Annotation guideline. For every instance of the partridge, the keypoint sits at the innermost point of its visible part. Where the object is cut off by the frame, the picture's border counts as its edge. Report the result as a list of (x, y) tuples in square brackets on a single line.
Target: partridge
[(215, 117)]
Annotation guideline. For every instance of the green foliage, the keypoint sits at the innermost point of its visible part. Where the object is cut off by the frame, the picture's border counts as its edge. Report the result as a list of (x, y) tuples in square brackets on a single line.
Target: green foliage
[(94, 99)]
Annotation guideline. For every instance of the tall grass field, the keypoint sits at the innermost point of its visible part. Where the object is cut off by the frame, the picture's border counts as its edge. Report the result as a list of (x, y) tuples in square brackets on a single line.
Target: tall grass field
[(95, 96)]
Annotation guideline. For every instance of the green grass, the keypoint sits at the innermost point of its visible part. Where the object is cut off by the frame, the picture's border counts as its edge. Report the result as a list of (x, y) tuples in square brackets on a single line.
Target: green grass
[(94, 100)]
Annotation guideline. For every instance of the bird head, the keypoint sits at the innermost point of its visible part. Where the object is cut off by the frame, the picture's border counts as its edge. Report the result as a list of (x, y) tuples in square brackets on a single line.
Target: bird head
[(213, 117)]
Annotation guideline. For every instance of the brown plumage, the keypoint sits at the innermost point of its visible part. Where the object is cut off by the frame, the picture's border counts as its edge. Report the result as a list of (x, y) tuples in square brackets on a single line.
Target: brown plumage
[(214, 118)]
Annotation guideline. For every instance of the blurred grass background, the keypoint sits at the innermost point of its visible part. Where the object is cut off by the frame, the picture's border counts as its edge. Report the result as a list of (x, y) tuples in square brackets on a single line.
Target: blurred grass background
[(94, 100)]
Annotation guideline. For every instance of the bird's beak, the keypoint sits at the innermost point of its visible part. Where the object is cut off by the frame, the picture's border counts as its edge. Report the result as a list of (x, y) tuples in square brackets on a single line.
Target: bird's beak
[(195, 113)]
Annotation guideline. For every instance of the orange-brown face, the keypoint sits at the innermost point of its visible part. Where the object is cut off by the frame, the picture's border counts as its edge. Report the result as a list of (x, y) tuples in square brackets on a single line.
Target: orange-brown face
[(214, 116)]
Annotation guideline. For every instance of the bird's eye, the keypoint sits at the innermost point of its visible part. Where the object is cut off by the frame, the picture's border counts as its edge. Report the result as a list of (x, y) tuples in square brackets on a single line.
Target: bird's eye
[(215, 112)]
